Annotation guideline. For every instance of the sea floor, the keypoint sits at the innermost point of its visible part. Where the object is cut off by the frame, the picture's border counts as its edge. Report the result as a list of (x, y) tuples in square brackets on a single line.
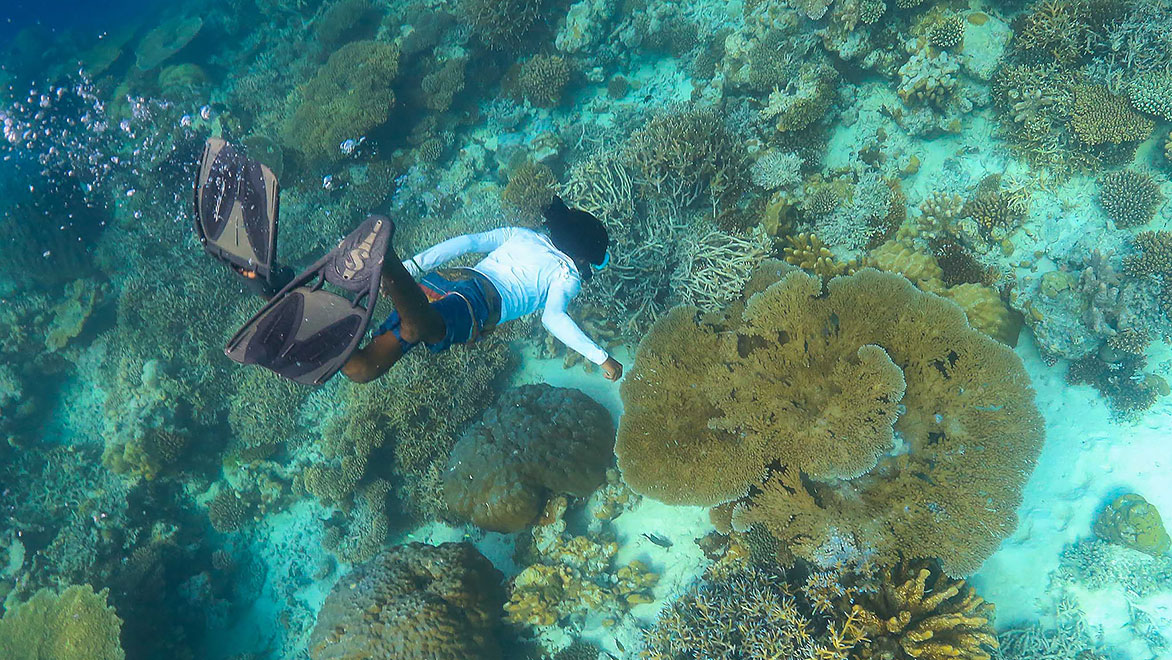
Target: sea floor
[(1089, 457)]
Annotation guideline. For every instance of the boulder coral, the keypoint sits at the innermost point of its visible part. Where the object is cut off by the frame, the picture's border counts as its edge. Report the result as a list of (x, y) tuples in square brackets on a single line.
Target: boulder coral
[(413, 602), (918, 613), (869, 409), (1133, 522), (75, 624), (536, 440)]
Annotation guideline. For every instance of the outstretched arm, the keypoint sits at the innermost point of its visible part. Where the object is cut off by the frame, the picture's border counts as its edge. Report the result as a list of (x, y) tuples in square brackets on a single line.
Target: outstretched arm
[(442, 253), (561, 325)]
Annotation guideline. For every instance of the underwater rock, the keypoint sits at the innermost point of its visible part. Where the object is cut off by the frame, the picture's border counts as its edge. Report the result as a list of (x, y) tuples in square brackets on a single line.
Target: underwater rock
[(536, 440), (1132, 521), (413, 602)]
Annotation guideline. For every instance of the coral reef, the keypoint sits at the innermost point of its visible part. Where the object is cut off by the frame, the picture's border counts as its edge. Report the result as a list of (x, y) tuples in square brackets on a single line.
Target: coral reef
[(570, 576), (783, 376), (947, 34), (165, 40), (808, 252), (542, 79), (774, 169), (688, 156), (1119, 379), (348, 96), (1054, 28), (501, 24), (919, 613), (1098, 117), (345, 21), (1132, 522), (1129, 198), (534, 441), (1099, 564), (414, 602), (530, 189), (1151, 94), (75, 624)]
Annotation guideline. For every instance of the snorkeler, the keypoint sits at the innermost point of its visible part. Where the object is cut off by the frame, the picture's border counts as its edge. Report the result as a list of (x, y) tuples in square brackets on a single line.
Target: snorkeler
[(308, 333)]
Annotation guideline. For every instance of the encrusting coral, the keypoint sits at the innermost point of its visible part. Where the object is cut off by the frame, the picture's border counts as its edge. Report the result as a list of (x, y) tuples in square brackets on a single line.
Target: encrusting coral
[(815, 383), (536, 440), (1133, 522), (413, 602), (75, 624)]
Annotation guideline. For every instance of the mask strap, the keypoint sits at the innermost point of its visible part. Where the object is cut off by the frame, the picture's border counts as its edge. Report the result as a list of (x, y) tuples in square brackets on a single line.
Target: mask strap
[(605, 261)]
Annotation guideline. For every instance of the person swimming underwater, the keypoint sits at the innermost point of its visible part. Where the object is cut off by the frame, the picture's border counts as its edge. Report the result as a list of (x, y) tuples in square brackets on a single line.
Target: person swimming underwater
[(308, 334), (524, 271)]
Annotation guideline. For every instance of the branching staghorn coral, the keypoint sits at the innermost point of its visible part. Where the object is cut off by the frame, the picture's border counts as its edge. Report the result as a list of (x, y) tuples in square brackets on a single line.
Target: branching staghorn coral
[(688, 156), (818, 383), (716, 266)]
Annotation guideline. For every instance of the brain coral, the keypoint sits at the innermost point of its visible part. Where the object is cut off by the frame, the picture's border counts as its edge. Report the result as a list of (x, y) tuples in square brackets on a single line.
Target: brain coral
[(413, 602), (76, 624), (812, 385), (347, 97), (537, 439)]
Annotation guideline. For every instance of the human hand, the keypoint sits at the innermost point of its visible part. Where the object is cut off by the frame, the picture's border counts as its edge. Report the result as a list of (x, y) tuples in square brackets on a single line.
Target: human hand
[(612, 369)]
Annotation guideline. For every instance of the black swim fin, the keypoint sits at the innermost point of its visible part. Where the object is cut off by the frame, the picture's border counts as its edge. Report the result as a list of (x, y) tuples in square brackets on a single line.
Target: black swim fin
[(237, 203), (305, 332)]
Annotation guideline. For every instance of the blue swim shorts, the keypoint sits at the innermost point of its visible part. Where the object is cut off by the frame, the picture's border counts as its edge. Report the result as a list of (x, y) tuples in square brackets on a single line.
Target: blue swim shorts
[(465, 300)]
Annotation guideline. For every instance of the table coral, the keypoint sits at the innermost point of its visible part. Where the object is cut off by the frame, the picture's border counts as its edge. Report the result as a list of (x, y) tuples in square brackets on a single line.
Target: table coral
[(919, 613), (1133, 522), (815, 381), (1130, 198), (165, 40), (413, 602), (537, 439), (75, 624)]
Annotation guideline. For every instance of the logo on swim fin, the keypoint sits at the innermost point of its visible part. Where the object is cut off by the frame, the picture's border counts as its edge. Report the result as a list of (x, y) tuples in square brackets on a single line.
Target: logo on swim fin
[(356, 258)]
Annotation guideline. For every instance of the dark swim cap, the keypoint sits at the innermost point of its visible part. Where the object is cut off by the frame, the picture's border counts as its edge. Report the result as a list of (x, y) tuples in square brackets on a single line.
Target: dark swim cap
[(578, 234)]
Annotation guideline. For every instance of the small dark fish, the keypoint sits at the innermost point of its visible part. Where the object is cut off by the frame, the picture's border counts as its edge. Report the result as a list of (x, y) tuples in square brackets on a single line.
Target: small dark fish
[(619, 646), (610, 655), (657, 540)]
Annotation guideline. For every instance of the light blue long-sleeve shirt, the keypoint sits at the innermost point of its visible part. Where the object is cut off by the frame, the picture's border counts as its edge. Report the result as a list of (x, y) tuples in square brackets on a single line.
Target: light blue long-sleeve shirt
[(529, 274)]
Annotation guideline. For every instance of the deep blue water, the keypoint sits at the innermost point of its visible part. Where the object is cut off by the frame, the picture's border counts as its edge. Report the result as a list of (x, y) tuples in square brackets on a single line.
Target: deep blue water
[(56, 15)]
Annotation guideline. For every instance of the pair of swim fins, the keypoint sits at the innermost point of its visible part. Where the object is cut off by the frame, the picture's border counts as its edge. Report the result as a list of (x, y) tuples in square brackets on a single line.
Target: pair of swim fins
[(313, 321)]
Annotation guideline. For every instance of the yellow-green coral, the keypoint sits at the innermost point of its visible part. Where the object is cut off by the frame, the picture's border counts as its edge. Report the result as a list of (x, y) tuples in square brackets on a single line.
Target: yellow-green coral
[(348, 96), (572, 575), (1098, 117), (1132, 521), (808, 252), (530, 189), (814, 381), (918, 613), (76, 624)]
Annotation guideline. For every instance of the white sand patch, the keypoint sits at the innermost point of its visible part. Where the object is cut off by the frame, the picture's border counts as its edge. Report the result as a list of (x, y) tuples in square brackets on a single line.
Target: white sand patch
[(1088, 459)]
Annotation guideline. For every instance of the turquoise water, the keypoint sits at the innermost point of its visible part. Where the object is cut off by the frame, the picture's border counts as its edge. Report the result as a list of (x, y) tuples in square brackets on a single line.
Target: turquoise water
[(890, 285)]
